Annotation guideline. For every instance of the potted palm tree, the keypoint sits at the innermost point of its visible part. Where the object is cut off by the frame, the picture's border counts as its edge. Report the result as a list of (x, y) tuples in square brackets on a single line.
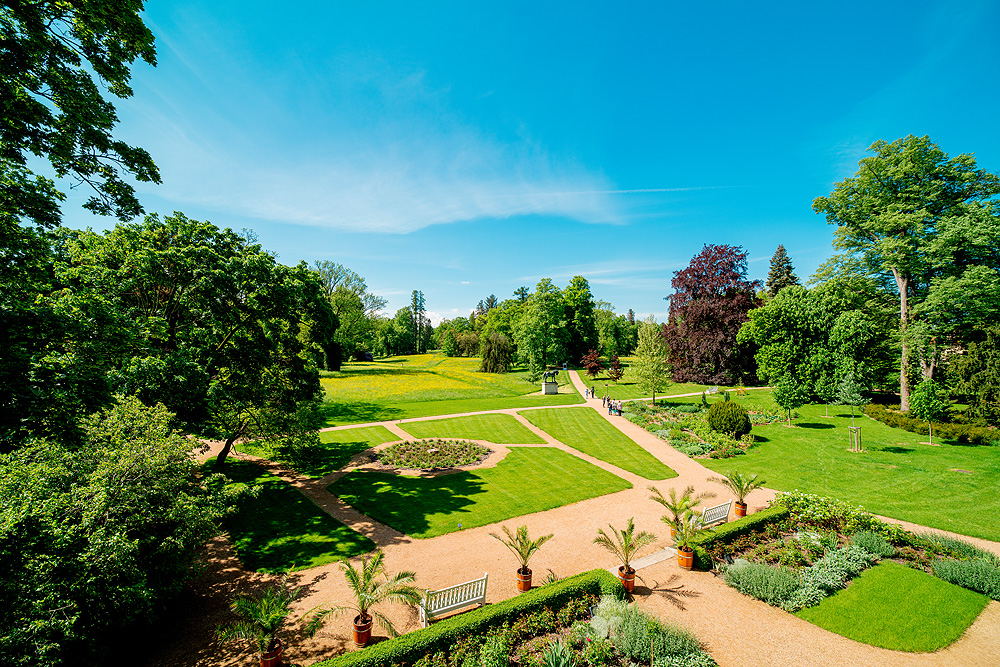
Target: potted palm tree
[(370, 585), (625, 544), (687, 528), (677, 506), (741, 485), (524, 548), (260, 620)]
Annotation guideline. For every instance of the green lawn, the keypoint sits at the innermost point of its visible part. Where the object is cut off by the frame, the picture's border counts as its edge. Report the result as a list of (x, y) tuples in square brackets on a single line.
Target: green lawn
[(898, 608), (337, 448), (499, 428), (425, 385), (281, 528), (896, 476), (527, 480), (626, 388), (585, 430)]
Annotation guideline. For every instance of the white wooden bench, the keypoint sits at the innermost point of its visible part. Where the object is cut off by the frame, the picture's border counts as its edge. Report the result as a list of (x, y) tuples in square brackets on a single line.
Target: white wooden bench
[(717, 514), (452, 598)]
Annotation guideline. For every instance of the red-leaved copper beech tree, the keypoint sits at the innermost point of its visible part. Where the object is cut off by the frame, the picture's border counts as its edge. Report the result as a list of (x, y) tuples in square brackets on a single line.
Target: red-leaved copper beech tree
[(709, 305)]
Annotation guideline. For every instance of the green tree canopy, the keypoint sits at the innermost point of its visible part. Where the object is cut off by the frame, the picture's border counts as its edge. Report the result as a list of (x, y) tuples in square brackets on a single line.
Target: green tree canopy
[(650, 365), (98, 538), (55, 53), (930, 222)]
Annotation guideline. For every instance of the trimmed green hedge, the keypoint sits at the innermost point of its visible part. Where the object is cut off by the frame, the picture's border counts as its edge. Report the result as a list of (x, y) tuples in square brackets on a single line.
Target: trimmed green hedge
[(964, 433), (409, 648), (730, 531)]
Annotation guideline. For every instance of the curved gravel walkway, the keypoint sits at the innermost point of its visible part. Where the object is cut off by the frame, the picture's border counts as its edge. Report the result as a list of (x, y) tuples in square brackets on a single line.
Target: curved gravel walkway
[(739, 631)]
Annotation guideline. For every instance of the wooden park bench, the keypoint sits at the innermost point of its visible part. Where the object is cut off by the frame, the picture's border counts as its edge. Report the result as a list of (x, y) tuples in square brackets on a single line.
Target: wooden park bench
[(452, 598), (714, 515)]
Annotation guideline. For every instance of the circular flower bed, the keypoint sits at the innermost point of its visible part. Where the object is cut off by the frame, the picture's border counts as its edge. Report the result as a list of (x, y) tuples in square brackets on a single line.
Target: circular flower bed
[(431, 454)]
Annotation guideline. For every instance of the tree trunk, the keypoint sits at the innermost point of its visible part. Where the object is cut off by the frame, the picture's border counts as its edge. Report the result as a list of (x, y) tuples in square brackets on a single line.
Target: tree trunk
[(903, 284), (221, 458)]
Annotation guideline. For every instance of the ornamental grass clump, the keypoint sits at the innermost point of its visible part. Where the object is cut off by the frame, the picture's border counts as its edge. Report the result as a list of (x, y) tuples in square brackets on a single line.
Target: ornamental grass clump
[(873, 543), (951, 547), (773, 585), (977, 575)]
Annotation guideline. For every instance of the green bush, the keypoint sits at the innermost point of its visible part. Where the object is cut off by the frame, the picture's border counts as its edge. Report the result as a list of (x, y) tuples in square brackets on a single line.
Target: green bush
[(639, 633), (965, 433), (832, 514), (977, 575), (729, 417), (873, 543), (773, 585), (445, 634)]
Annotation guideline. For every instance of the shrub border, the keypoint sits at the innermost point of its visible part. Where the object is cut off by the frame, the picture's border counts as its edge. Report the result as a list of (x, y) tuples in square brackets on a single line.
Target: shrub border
[(409, 648), (730, 531)]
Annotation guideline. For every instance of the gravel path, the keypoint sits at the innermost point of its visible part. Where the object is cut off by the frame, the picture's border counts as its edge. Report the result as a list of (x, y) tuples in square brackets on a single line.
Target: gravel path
[(739, 631)]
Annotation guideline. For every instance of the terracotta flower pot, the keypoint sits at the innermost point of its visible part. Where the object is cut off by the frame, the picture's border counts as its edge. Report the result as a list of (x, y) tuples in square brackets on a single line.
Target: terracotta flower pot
[(362, 631), (524, 579), (272, 658), (685, 558), (627, 578), (741, 509)]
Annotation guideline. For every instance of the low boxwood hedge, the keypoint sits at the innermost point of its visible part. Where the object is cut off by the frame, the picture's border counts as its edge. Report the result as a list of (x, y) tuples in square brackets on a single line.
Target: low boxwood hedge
[(963, 433), (730, 531), (409, 648)]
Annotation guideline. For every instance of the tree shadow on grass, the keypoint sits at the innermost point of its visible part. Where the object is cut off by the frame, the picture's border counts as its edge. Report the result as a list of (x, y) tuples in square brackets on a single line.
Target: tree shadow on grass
[(893, 449), (406, 503), (358, 412), (815, 426), (331, 457), (282, 529)]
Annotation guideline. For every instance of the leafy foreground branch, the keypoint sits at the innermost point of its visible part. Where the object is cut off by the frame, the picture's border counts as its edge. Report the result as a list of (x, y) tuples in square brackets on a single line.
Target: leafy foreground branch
[(97, 539)]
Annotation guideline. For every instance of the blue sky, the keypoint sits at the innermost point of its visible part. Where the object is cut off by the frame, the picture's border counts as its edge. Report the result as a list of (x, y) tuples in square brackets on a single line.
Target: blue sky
[(465, 149)]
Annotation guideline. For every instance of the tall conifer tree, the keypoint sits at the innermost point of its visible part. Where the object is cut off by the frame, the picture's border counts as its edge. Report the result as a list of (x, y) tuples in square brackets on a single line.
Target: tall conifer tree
[(782, 273)]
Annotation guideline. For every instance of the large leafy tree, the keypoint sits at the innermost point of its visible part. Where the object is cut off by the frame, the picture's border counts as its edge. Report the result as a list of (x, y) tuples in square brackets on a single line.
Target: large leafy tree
[(96, 538), (201, 319), (541, 334), (930, 222), (977, 375), (817, 335), (582, 329), (356, 309), (709, 305)]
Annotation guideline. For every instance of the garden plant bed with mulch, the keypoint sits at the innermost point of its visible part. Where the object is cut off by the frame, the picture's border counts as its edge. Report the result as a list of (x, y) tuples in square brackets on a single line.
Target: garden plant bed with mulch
[(816, 560), (432, 454)]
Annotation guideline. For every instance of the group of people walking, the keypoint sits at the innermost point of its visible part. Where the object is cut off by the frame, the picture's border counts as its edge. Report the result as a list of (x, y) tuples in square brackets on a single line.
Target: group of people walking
[(614, 407)]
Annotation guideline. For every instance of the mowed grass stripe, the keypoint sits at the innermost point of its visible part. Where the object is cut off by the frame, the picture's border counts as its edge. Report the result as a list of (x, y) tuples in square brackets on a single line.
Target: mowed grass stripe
[(898, 608), (499, 428), (528, 480), (585, 430), (281, 528)]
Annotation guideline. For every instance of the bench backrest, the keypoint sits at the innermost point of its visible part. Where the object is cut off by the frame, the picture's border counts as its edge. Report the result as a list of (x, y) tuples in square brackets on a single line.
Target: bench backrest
[(717, 514), (453, 598)]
